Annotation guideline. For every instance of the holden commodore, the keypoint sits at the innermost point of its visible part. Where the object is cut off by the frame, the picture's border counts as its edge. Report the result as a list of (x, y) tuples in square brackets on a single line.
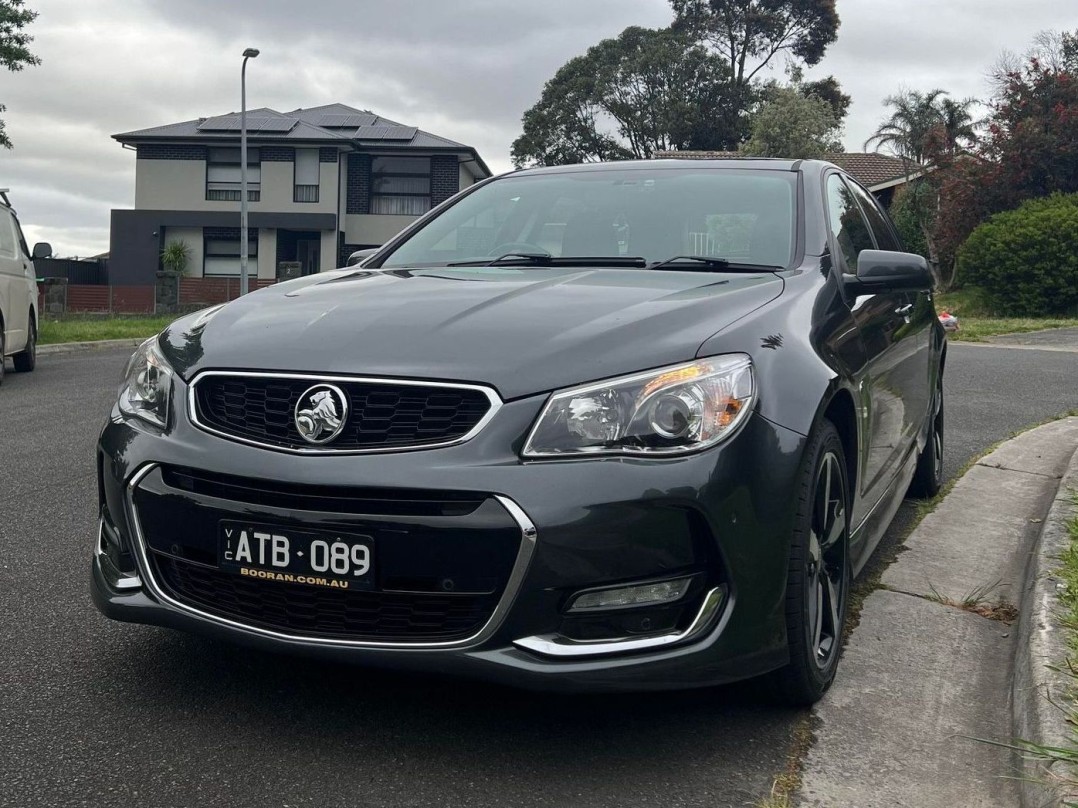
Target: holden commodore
[(622, 426)]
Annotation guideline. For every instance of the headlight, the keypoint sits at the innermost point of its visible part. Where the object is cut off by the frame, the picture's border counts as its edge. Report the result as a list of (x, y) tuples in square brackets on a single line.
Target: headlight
[(663, 412), (147, 384)]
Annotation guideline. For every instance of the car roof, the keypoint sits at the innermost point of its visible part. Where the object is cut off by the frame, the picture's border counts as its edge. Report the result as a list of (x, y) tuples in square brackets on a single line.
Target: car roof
[(812, 167)]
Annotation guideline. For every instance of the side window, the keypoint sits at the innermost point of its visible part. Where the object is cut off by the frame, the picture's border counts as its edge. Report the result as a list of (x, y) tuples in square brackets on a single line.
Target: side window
[(877, 220), (8, 248), (847, 224)]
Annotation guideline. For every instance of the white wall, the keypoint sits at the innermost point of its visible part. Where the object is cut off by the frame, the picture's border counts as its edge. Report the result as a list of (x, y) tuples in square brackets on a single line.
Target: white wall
[(267, 252), (181, 185), (173, 185), (192, 237), (327, 255), (373, 228)]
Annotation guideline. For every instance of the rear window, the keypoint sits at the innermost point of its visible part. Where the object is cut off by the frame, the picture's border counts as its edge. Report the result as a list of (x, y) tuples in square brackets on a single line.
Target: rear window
[(741, 215)]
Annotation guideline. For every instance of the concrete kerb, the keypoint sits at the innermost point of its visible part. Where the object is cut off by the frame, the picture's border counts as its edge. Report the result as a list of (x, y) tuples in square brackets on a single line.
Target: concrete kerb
[(1040, 691), (96, 345)]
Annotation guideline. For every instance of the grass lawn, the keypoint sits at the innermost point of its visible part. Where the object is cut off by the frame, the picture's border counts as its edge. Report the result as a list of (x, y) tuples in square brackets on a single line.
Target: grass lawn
[(89, 328), (976, 320)]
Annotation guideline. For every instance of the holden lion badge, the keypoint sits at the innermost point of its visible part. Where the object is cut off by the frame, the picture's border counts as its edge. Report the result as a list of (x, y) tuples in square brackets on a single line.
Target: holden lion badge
[(321, 413)]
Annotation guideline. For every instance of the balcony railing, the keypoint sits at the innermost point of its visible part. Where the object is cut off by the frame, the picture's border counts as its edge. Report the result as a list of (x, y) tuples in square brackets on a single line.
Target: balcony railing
[(306, 193), (254, 194)]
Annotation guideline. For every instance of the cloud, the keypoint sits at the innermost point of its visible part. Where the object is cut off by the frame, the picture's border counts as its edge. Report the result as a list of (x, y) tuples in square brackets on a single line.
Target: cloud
[(466, 69)]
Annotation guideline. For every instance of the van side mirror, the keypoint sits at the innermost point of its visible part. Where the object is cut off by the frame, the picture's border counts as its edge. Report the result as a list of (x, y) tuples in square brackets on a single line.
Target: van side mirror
[(885, 270), (42, 250)]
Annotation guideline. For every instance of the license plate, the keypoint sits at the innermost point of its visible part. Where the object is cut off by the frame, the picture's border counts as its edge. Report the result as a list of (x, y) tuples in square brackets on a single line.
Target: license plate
[(311, 557)]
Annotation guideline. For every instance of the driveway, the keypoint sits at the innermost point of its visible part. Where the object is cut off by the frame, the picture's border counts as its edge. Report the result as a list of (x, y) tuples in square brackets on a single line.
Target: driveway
[(98, 713)]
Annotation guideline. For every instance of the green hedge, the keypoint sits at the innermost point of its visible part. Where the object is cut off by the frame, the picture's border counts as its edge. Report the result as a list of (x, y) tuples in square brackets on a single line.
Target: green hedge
[(1026, 259)]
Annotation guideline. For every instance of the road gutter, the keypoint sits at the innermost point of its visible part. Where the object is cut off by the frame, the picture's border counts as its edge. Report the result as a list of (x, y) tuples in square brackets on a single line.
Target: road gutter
[(90, 345), (1042, 695)]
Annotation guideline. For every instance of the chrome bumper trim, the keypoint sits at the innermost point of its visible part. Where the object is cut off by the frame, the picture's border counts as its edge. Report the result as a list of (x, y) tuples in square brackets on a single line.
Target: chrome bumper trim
[(116, 579), (528, 536), (554, 645)]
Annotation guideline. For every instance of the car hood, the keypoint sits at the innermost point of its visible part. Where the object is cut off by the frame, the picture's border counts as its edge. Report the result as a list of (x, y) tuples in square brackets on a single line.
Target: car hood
[(522, 331)]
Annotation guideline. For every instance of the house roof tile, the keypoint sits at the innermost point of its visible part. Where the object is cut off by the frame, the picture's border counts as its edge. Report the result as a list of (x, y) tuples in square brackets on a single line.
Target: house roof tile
[(868, 168)]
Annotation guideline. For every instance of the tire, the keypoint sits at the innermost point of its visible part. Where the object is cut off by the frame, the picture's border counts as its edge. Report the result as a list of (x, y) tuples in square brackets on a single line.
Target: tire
[(1, 352), (928, 478), (818, 576), (26, 360)]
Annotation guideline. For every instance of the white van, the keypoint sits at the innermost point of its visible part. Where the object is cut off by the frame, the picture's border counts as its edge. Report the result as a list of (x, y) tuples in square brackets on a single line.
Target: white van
[(18, 292)]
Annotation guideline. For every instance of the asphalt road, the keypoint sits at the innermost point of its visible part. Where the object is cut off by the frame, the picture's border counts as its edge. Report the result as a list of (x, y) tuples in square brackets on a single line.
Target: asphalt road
[(98, 713)]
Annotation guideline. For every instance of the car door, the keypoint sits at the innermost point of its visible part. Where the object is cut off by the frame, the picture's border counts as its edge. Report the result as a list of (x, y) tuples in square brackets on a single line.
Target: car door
[(914, 376), (14, 310), (879, 319)]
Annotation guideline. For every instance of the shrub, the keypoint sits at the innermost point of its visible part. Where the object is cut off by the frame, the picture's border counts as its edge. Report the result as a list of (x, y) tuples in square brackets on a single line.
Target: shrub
[(1026, 259), (175, 257)]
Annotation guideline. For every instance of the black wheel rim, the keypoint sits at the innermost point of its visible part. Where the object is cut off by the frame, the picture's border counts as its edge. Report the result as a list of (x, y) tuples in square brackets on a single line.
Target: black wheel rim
[(937, 436), (825, 588)]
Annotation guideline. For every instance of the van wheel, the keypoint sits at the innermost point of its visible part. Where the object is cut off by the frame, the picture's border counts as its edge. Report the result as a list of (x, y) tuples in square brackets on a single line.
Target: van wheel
[(26, 360), (818, 577), (1, 352)]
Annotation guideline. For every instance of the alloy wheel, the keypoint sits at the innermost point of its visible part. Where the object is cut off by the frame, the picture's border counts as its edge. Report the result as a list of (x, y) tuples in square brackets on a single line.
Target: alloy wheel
[(826, 579), (937, 436)]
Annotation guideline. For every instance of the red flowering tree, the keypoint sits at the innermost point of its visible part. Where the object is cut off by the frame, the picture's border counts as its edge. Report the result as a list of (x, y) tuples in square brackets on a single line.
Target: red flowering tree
[(1029, 149)]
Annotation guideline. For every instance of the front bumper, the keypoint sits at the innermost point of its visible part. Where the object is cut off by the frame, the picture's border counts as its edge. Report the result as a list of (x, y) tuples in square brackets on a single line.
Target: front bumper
[(724, 514)]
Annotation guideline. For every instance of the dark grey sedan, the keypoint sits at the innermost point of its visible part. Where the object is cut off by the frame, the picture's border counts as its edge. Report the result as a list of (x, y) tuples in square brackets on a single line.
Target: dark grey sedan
[(619, 426)]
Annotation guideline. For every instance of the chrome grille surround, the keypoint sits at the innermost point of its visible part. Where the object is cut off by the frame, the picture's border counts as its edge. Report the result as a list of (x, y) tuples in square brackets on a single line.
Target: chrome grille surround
[(495, 403)]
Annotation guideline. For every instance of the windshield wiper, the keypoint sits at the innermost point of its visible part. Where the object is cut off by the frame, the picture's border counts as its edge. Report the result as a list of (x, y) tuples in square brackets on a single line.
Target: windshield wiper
[(547, 260), (707, 263)]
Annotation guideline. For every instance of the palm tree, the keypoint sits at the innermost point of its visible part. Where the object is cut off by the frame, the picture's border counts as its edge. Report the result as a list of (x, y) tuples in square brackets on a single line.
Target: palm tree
[(910, 126), (958, 127)]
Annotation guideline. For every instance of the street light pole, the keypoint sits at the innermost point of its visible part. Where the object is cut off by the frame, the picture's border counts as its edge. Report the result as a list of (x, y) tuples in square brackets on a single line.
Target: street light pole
[(250, 53)]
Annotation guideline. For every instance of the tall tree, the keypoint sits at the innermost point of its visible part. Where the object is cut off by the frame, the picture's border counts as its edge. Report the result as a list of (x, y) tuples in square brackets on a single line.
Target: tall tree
[(14, 45), (907, 131), (957, 131), (924, 127), (645, 91), (829, 90), (792, 123), (749, 34)]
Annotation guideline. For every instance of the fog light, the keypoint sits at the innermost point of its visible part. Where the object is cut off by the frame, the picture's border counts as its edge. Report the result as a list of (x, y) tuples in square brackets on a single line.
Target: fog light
[(637, 595)]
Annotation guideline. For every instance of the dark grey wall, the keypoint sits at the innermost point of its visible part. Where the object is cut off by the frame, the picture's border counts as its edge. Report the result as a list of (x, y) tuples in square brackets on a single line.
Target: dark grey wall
[(136, 237)]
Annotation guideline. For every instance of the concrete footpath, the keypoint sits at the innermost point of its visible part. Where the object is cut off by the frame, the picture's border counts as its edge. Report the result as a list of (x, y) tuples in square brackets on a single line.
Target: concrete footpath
[(931, 664)]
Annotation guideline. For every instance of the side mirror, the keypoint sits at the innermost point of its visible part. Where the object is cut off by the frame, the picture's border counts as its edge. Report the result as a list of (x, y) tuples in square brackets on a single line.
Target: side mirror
[(42, 250), (359, 256), (884, 270)]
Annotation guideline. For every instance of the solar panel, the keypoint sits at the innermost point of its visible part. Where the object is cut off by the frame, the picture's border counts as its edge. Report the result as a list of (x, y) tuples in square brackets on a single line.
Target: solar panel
[(231, 123), (271, 124), (222, 123), (346, 121), (385, 133)]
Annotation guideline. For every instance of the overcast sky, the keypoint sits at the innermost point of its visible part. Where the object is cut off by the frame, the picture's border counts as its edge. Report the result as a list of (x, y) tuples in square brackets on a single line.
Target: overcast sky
[(465, 69)]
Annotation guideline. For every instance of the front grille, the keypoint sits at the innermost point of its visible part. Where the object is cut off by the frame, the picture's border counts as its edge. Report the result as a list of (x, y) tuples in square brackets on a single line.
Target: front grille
[(325, 613), (382, 414)]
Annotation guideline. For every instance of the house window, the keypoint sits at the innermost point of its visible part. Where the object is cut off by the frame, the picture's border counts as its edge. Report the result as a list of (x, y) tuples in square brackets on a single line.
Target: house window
[(222, 256), (306, 168), (223, 175), (400, 185)]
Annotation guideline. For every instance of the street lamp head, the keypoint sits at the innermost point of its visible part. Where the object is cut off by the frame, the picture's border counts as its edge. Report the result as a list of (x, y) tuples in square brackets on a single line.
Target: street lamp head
[(250, 53)]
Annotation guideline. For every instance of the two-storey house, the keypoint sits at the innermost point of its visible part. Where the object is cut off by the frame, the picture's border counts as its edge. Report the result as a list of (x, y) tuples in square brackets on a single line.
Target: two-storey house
[(322, 183)]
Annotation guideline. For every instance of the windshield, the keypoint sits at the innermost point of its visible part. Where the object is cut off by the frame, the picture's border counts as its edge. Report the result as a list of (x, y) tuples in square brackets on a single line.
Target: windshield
[(743, 216)]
